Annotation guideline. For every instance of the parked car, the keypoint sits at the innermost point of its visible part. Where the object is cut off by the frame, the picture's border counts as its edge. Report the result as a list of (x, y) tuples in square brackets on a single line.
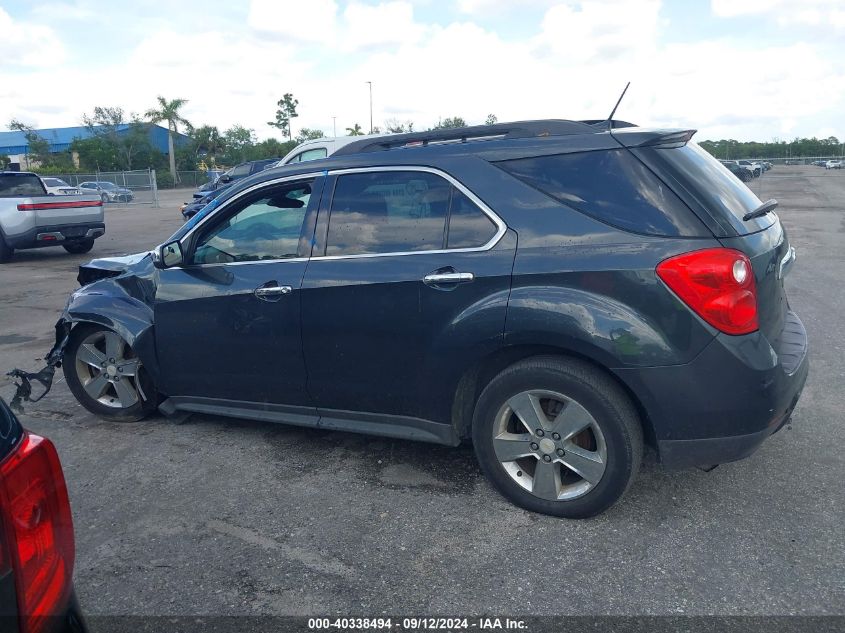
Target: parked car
[(819, 163), (30, 218), (833, 164), (756, 168), (37, 548), (558, 294), (58, 187), (740, 171), (321, 148), (238, 172), (108, 191), (189, 209)]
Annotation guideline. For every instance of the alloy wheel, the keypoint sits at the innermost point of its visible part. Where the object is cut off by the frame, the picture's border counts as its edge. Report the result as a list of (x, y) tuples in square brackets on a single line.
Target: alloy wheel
[(550, 445), (108, 370)]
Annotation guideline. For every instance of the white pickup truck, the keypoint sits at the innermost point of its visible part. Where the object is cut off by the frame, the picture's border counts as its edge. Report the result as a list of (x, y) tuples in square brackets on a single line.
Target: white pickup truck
[(30, 218)]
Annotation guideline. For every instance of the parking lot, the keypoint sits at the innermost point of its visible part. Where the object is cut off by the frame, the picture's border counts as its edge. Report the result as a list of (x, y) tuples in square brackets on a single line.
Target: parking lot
[(219, 516)]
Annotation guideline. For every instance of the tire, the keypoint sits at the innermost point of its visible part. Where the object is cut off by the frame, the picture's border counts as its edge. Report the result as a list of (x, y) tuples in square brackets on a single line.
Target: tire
[(6, 251), (93, 386), (104, 198), (78, 248), (610, 431)]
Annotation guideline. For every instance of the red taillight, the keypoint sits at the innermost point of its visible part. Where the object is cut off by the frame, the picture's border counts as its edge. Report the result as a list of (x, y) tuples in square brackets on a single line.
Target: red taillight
[(718, 284), (77, 204), (35, 514)]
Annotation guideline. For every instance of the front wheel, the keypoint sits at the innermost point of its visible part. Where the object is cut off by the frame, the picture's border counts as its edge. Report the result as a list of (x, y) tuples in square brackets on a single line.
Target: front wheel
[(79, 248), (557, 436), (104, 198), (105, 375)]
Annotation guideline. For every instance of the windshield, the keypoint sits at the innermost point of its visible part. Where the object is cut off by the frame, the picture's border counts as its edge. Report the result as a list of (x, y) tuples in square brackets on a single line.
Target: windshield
[(108, 185)]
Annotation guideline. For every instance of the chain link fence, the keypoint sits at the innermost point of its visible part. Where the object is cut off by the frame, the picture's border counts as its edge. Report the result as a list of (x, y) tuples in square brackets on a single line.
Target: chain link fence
[(119, 187)]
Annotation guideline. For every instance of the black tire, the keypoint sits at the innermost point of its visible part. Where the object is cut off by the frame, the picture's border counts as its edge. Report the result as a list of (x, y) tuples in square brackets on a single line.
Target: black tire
[(6, 251), (104, 198), (79, 248), (138, 411), (599, 395), (746, 176)]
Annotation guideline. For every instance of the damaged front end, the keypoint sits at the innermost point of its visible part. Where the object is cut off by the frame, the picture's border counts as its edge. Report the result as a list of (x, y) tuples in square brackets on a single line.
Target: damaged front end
[(117, 293)]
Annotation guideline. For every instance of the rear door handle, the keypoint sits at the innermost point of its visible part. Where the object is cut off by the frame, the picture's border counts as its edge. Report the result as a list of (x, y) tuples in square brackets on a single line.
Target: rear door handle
[(437, 279), (272, 293)]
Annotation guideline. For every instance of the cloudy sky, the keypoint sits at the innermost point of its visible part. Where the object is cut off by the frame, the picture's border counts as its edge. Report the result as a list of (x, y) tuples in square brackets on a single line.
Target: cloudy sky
[(743, 69)]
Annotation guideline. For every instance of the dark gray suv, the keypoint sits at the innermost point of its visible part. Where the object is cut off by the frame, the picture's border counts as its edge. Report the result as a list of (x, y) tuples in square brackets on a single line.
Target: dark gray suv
[(559, 293)]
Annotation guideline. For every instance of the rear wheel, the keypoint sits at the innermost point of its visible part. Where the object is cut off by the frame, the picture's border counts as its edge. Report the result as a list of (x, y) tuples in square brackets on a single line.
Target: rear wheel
[(78, 248), (106, 376), (557, 436)]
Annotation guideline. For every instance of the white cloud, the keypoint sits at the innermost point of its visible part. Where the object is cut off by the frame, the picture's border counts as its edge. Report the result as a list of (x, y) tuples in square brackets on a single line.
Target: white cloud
[(28, 44), (309, 21), (825, 14), (573, 66)]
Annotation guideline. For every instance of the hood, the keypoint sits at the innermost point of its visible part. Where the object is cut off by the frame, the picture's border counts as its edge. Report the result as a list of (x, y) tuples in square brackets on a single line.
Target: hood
[(105, 267)]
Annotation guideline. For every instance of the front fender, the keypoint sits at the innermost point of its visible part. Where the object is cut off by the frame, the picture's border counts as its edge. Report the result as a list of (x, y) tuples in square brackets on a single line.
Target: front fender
[(122, 304)]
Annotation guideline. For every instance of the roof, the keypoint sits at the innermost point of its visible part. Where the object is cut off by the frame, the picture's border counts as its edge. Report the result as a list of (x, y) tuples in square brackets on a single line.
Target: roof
[(60, 138)]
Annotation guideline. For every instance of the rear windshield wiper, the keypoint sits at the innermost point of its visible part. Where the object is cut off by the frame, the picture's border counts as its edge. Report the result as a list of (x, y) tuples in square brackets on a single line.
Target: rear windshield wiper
[(767, 207)]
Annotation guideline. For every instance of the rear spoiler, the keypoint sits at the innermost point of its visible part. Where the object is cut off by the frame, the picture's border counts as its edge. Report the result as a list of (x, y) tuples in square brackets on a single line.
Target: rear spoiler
[(663, 139)]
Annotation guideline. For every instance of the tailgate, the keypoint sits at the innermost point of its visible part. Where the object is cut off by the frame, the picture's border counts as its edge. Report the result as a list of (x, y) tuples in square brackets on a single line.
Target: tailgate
[(771, 257), (63, 210)]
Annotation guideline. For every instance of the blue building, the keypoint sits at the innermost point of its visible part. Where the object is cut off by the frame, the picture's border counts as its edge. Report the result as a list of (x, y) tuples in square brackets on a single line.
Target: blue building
[(14, 144)]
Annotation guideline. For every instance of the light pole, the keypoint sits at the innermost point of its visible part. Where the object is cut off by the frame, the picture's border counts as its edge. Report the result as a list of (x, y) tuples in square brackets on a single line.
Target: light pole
[(371, 106), (334, 126)]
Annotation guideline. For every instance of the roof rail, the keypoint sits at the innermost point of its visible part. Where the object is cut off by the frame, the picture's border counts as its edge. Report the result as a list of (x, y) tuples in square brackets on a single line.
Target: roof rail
[(518, 129)]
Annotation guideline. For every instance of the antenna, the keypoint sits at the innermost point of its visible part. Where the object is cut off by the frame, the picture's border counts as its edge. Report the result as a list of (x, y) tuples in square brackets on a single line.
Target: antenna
[(612, 112)]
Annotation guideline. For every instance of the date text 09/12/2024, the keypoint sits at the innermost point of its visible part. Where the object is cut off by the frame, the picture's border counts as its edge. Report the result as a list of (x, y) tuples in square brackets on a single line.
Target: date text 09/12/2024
[(416, 624)]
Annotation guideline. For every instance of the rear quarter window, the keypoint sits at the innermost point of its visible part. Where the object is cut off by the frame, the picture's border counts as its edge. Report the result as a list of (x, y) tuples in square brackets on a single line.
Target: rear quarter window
[(710, 185), (611, 186)]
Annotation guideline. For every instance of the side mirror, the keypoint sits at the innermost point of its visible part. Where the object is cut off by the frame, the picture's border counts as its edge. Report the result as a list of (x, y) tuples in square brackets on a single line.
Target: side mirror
[(225, 178), (169, 255)]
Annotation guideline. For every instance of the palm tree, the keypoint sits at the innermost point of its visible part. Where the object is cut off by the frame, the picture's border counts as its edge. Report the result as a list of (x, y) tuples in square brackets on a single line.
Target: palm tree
[(169, 111), (354, 131)]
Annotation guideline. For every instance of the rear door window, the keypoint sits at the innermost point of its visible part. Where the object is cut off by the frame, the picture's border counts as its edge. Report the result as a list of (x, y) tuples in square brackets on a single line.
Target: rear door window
[(469, 226), (611, 186), (388, 212)]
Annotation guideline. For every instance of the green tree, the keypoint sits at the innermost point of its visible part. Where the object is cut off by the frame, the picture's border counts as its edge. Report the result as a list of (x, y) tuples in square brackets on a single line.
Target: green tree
[(5, 161), (394, 126), (284, 114), (354, 130), (128, 139), (450, 122), (307, 134), (491, 119), (169, 111), (238, 141), (207, 142), (38, 149)]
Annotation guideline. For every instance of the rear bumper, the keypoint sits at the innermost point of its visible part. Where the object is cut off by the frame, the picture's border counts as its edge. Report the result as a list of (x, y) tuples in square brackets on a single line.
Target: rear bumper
[(724, 404), (56, 235)]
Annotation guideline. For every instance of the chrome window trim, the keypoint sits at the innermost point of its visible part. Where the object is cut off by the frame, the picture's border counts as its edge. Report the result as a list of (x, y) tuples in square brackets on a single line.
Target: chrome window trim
[(501, 227)]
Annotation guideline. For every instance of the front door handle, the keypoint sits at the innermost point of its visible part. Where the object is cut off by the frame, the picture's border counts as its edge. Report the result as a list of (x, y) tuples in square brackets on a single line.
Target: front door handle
[(437, 279), (272, 293)]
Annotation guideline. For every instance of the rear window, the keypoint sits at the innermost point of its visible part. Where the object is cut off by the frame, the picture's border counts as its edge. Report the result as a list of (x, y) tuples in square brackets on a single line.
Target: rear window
[(20, 186), (713, 186), (611, 186)]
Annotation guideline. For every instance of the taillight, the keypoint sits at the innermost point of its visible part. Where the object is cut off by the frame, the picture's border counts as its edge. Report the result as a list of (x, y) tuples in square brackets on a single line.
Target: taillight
[(35, 513), (718, 284)]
